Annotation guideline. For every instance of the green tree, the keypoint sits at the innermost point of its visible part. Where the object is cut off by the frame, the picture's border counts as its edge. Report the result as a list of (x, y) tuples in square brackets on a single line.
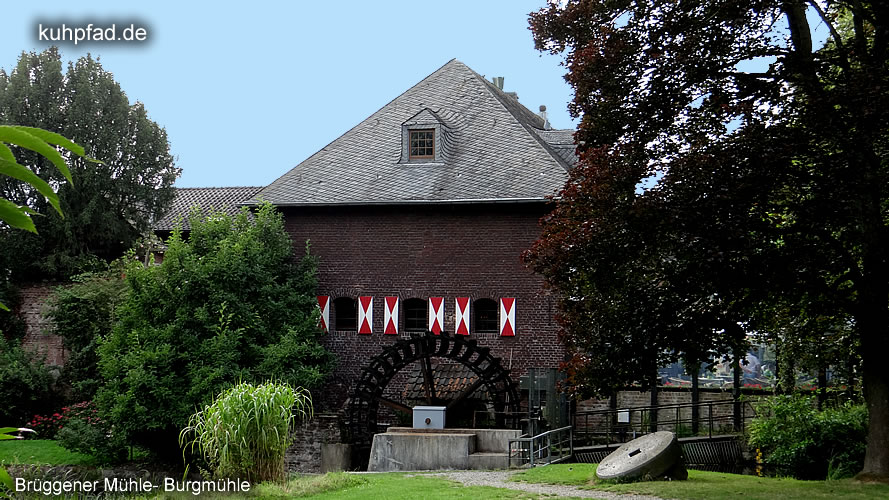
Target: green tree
[(230, 304), (772, 190), (110, 204)]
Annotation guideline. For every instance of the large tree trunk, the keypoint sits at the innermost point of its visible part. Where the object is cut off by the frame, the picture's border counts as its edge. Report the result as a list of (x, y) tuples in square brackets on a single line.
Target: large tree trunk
[(875, 352), (876, 394), (872, 321)]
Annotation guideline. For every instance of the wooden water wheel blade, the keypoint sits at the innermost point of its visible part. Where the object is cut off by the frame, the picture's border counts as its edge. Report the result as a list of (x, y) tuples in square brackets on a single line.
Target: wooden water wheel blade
[(428, 380), (395, 405)]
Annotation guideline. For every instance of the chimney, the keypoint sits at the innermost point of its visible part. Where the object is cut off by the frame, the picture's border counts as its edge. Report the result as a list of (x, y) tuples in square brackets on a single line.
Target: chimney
[(542, 114), (498, 82)]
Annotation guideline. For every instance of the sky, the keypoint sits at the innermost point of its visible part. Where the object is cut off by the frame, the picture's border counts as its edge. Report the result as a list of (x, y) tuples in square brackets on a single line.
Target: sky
[(247, 90)]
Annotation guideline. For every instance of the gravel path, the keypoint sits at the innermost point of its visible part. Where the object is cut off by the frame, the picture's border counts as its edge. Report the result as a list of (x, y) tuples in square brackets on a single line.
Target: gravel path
[(500, 479)]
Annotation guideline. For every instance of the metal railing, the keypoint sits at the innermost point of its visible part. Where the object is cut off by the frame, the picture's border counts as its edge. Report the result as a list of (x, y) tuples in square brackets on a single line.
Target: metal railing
[(545, 448), (621, 424)]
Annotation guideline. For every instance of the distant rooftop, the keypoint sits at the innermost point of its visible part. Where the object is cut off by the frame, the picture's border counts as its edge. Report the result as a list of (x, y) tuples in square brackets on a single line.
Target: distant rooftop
[(220, 199)]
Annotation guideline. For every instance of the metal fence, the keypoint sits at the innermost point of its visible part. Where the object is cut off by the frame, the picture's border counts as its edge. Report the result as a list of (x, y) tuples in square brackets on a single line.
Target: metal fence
[(685, 419), (548, 447)]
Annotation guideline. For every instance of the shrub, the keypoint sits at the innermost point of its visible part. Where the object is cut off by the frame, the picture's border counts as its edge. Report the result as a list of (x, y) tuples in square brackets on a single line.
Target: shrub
[(230, 304), (247, 430), (92, 437), (25, 383), (48, 426), (798, 440)]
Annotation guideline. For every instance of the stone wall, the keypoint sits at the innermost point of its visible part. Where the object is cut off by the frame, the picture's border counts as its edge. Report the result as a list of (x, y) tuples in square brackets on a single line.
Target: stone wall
[(304, 455)]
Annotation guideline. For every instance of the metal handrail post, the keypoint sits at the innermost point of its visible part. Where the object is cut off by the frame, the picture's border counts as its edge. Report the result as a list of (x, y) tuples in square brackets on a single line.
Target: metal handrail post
[(676, 424), (571, 440), (710, 417)]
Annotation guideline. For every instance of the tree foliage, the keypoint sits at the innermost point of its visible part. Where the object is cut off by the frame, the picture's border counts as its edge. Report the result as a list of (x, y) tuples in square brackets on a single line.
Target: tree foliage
[(109, 204), (228, 305), (766, 210), (799, 441)]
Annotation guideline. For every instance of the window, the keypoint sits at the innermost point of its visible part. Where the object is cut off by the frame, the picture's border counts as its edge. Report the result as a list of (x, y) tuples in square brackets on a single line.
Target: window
[(415, 315), (485, 312), (422, 144), (345, 312)]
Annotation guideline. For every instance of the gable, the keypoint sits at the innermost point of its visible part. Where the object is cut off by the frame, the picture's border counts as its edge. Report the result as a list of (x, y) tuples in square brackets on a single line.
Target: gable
[(490, 151)]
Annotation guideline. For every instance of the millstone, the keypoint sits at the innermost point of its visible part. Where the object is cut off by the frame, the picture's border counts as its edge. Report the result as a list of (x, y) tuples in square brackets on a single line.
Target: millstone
[(651, 456)]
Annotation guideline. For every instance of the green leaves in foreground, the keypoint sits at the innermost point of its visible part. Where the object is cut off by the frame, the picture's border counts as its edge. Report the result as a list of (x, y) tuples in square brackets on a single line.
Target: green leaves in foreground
[(41, 142), (246, 431), (5, 433)]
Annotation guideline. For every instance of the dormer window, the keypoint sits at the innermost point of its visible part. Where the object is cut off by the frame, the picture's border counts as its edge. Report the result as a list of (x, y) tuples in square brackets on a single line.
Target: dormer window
[(422, 144), (425, 139)]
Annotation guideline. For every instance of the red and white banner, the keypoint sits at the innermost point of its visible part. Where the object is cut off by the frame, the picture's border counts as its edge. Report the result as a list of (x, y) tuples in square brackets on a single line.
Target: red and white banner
[(390, 316), (324, 305), (436, 314), (365, 315), (507, 317), (461, 316)]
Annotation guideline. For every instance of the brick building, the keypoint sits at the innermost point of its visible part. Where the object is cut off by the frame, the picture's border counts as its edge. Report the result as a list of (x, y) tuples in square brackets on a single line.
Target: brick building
[(419, 215)]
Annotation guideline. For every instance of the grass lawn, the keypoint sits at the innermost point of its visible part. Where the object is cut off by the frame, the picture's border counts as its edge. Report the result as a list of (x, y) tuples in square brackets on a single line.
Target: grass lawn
[(394, 486), (40, 452), (711, 485), (390, 486)]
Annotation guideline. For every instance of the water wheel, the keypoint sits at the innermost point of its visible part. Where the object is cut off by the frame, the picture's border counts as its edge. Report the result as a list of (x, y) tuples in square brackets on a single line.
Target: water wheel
[(426, 350)]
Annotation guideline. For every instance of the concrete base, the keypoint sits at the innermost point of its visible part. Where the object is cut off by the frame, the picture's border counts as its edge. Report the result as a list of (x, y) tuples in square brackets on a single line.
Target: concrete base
[(488, 461), (336, 457), (404, 448)]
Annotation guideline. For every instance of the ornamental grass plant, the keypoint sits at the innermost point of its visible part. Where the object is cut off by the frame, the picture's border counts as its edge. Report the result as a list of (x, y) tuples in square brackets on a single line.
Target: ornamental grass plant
[(246, 431)]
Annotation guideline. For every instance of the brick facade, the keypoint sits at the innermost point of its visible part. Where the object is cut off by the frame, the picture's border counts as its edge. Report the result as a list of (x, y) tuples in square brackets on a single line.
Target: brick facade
[(427, 251)]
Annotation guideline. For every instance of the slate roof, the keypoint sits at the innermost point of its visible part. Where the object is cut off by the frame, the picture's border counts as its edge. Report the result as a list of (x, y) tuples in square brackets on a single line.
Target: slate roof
[(497, 151), (562, 142), (224, 199)]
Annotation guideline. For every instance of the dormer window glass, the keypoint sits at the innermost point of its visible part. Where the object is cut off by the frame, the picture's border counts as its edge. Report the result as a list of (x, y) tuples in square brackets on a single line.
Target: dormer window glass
[(422, 144)]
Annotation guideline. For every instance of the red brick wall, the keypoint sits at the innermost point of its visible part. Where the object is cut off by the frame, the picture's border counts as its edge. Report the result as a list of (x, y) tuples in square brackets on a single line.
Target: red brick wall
[(37, 327), (421, 252)]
